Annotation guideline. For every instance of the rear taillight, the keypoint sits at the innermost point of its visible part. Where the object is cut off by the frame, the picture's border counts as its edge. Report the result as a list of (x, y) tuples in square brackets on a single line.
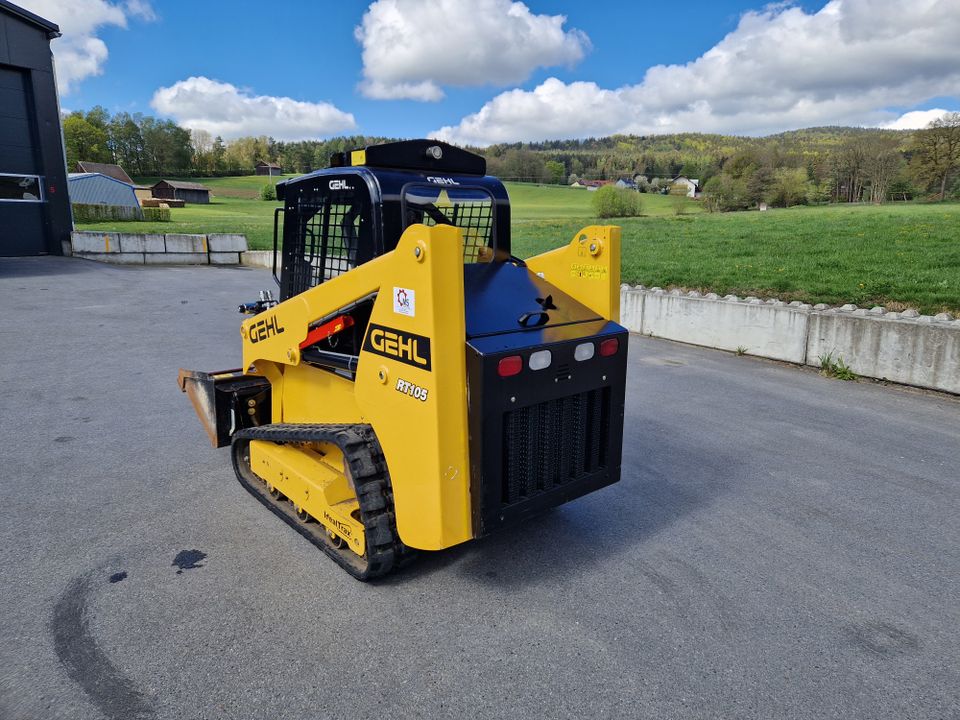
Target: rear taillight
[(609, 347), (509, 366)]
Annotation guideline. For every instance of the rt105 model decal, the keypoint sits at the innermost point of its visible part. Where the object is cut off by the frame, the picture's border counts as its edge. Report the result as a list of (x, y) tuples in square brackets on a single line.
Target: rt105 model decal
[(408, 388)]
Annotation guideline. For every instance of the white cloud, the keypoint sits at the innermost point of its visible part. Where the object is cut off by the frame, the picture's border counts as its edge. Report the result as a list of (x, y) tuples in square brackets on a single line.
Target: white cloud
[(915, 119), (412, 48), (780, 68), (223, 109), (80, 53)]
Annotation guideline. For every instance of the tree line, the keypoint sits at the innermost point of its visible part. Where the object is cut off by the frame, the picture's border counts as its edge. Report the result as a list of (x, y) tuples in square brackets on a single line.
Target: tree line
[(831, 164), (147, 147)]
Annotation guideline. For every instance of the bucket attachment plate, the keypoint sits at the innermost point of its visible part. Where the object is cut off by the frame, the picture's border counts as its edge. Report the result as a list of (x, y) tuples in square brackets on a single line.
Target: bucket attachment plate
[(226, 401)]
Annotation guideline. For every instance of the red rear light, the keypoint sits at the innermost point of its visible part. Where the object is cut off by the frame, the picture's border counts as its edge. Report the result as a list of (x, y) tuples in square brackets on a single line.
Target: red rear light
[(510, 366), (609, 347)]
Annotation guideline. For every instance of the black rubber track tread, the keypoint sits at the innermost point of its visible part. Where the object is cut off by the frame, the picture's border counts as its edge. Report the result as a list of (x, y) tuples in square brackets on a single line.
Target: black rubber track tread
[(367, 471)]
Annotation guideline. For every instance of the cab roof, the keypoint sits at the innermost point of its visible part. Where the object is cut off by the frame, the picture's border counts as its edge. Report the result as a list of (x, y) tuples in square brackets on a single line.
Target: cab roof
[(419, 155)]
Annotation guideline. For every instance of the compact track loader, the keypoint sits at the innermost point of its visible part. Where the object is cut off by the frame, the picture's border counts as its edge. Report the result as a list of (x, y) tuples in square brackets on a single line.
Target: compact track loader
[(417, 385)]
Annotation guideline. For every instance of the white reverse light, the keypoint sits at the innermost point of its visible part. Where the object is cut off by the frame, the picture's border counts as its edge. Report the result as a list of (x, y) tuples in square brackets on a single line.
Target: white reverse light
[(540, 359), (583, 351)]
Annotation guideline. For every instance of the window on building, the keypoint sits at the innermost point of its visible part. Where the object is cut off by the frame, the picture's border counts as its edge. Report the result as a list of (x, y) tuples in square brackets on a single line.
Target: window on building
[(20, 188)]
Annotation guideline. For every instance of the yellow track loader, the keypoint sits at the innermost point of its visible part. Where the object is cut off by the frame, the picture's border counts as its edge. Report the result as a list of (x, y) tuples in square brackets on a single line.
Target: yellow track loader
[(417, 385)]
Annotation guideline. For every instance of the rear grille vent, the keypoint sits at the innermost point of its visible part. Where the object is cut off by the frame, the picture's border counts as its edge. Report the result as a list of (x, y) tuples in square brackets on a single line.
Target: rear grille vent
[(554, 443)]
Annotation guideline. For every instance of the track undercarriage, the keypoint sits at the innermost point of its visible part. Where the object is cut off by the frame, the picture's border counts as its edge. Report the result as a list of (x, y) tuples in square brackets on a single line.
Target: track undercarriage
[(343, 504)]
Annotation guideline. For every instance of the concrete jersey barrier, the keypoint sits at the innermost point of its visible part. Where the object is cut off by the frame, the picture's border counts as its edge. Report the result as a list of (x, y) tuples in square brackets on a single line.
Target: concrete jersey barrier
[(156, 249), (906, 347)]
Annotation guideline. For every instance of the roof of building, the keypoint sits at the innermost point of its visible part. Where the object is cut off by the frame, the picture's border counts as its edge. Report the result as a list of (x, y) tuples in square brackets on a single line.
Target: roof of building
[(596, 183), (183, 185), (267, 164), (53, 30), (82, 175), (114, 171), (100, 189)]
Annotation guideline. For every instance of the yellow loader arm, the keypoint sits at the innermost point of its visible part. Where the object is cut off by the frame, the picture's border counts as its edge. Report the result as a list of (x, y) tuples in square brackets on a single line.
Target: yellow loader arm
[(588, 268), (410, 378)]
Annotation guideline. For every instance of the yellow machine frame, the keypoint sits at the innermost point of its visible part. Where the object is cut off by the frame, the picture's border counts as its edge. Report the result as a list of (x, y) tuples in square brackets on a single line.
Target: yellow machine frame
[(394, 390)]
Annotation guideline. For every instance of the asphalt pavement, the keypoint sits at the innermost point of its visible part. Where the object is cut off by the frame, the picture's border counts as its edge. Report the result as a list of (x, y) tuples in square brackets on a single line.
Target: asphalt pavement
[(782, 545)]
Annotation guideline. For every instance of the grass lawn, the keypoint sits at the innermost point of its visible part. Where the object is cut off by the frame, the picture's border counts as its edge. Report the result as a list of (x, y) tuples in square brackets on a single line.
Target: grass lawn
[(245, 186), (897, 256), (552, 202), (253, 218), (894, 255)]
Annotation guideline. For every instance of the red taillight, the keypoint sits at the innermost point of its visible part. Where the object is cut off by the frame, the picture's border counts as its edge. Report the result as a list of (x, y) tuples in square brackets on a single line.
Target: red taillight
[(510, 366), (609, 347)]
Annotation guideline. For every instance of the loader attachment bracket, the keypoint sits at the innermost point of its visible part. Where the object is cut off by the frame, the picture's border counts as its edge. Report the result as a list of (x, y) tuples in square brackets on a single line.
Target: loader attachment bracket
[(226, 401)]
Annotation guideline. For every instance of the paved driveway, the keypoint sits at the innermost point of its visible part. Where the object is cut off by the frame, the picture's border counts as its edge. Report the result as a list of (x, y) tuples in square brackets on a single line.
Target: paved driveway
[(781, 545)]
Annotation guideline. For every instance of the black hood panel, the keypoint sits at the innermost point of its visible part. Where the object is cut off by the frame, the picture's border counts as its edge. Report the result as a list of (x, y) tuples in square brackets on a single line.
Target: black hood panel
[(502, 297)]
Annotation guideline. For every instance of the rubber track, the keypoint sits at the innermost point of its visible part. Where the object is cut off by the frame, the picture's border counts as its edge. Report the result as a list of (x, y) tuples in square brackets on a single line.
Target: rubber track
[(367, 470)]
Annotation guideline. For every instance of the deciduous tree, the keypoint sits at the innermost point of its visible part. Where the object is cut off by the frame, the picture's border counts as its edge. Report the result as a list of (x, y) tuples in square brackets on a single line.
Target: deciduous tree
[(936, 152)]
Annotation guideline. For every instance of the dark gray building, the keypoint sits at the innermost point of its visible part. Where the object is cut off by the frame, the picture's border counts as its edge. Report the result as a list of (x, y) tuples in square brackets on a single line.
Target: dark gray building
[(34, 204), (189, 192)]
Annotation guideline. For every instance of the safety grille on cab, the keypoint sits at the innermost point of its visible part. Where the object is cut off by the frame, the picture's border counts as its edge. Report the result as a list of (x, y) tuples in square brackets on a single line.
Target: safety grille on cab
[(554, 443)]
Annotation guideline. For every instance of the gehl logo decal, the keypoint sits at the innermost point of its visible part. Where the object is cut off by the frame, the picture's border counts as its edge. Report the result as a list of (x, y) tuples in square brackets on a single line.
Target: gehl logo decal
[(262, 329), (406, 347)]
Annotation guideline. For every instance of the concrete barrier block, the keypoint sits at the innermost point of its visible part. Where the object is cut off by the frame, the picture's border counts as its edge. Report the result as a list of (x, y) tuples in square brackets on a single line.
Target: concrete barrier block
[(186, 243), (95, 242), (926, 354), (115, 258), (141, 243), (631, 309), (174, 258), (224, 242), (259, 258), (772, 331), (224, 258)]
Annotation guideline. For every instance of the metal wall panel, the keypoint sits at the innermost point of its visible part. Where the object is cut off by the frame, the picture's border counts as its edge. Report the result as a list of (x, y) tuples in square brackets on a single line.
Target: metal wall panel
[(31, 141)]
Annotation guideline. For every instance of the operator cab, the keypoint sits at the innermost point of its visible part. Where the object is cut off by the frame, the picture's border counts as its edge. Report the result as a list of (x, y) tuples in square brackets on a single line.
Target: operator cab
[(345, 215)]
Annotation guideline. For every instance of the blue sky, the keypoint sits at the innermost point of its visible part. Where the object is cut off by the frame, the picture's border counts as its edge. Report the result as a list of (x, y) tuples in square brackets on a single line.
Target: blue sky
[(736, 67)]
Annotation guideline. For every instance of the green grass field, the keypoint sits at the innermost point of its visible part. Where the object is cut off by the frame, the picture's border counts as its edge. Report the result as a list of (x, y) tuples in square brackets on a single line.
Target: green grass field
[(898, 256)]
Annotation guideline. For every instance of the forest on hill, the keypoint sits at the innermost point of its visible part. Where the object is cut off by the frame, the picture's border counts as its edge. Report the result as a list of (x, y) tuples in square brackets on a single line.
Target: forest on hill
[(813, 165)]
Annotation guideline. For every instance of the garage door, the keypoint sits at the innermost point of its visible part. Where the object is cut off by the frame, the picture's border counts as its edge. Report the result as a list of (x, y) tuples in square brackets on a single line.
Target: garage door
[(22, 230)]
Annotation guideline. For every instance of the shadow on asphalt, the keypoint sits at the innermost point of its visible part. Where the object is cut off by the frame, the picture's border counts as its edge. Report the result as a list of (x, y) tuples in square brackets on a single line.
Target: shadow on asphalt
[(45, 266), (668, 478)]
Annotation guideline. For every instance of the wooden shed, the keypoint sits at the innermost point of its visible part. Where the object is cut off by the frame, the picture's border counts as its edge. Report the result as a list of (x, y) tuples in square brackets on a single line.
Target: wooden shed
[(189, 192), (266, 168)]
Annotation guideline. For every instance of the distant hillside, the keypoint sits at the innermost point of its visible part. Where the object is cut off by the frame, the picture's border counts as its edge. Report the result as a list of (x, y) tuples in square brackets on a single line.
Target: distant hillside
[(697, 155)]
